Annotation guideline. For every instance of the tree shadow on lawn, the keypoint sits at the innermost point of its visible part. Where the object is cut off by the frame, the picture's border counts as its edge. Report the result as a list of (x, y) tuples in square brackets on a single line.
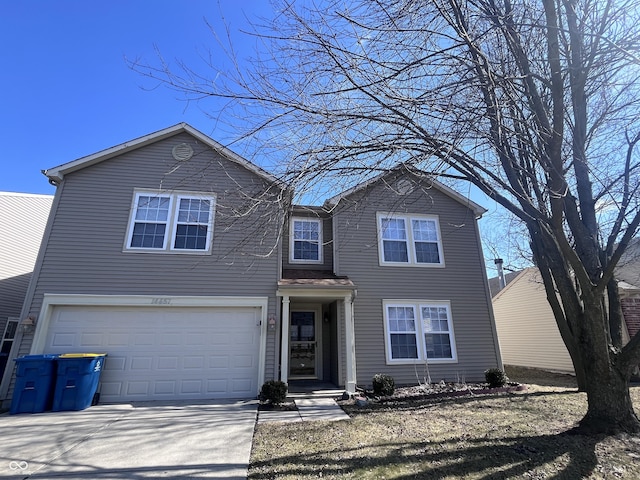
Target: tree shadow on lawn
[(507, 457)]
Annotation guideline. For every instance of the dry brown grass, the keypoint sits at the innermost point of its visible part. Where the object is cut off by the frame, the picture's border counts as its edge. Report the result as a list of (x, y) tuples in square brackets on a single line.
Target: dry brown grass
[(489, 437)]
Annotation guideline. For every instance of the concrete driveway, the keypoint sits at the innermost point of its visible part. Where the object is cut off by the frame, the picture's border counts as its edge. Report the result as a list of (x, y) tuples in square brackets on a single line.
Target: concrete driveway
[(193, 439)]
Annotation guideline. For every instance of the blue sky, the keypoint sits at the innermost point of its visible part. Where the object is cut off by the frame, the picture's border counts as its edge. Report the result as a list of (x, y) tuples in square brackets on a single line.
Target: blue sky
[(67, 90)]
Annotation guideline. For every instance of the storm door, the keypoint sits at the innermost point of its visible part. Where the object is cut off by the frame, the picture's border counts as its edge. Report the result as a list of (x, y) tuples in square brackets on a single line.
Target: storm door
[(303, 345)]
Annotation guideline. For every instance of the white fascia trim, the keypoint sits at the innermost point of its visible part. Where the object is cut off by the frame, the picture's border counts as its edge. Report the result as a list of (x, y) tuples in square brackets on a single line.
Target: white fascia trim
[(52, 300), (27, 195), (512, 283)]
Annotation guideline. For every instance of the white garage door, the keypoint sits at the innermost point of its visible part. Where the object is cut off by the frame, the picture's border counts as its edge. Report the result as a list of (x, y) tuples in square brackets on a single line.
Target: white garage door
[(164, 353)]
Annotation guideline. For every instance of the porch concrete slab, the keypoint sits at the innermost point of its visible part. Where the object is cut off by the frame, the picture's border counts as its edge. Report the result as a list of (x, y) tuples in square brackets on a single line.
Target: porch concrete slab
[(320, 408), (209, 439)]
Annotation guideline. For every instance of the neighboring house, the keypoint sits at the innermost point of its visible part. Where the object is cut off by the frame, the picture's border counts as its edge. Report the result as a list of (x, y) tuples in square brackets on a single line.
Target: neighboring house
[(184, 263), (527, 329), (494, 283), (23, 218)]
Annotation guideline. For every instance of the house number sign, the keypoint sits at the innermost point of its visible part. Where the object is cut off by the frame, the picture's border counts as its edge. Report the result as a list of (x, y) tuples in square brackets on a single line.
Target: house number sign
[(160, 301)]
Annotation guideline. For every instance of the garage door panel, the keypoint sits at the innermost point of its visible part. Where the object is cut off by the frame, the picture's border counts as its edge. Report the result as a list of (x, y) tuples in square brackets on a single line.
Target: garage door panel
[(117, 340), (168, 353), (110, 389), (115, 363)]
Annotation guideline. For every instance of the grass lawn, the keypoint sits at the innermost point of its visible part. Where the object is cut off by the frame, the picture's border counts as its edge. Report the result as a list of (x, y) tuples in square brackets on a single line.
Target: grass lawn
[(517, 435)]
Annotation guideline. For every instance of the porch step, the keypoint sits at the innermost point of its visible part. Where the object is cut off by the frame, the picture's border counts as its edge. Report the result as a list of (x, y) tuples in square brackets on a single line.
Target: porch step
[(320, 393)]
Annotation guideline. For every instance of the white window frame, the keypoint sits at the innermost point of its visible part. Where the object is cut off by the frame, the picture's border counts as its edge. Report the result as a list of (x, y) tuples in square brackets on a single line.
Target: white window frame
[(292, 240), (171, 224), (410, 240), (420, 332)]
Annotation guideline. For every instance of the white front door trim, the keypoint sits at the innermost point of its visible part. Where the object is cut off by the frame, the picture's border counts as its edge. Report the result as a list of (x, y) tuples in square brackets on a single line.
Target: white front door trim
[(302, 295)]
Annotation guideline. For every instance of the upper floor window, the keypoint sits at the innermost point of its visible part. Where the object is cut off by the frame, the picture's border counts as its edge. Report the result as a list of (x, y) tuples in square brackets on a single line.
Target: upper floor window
[(419, 331), (179, 222), (409, 240), (306, 240)]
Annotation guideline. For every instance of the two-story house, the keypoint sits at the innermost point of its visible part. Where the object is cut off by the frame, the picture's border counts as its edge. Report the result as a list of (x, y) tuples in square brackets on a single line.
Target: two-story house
[(186, 264)]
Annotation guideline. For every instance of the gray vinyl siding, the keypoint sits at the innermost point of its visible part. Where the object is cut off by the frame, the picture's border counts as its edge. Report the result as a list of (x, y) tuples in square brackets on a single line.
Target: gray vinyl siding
[(84, 251), (461, 282)]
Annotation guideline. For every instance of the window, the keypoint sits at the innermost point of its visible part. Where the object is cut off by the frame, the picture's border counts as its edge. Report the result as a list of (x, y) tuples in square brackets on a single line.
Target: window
[(178, 222), (402, 332), (409, 240), (419, 331), (306, 238)]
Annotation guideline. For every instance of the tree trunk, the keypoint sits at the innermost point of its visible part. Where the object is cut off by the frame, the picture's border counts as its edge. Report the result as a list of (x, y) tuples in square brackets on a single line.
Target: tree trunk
[(610, 410), (578, 366)]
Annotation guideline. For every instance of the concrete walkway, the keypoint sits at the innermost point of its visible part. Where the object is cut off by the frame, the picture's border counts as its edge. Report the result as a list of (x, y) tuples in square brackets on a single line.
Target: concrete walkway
[(309, 409)]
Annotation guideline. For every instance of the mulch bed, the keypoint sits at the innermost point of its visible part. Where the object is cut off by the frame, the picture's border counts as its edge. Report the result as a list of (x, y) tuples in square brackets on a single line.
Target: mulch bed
[(414, 393), (442, 390), (277, 407)]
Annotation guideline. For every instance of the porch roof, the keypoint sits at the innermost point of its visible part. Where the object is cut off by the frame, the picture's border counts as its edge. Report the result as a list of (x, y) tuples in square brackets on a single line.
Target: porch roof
[(314, 278)]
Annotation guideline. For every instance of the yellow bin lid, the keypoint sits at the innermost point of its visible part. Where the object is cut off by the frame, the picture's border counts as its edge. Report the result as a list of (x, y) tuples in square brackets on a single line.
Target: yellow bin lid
[(82, 355)]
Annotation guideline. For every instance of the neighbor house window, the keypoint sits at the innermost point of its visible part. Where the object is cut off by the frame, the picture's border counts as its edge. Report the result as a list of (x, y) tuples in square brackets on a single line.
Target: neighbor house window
[(419, 331), (179, 222), (409, 240), (306, 240)]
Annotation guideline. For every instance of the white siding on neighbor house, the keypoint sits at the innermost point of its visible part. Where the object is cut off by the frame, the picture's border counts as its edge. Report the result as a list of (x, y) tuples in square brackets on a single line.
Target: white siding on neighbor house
[(23, 218), (527, 330), (461, 281)]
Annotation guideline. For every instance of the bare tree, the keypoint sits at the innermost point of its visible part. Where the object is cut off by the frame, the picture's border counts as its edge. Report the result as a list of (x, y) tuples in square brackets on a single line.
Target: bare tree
[(535, 103)]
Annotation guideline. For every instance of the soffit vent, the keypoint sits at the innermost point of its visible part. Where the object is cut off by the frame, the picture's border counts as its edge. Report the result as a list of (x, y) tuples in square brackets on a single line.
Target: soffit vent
[(182, 152), (404, 186)]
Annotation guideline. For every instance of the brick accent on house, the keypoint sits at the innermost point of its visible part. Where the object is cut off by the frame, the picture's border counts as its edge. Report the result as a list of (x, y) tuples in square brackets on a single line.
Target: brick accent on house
[(631, 312)]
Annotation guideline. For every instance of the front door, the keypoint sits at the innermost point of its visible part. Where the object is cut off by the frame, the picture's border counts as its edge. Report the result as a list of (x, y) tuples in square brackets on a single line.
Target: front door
[(303, 345)]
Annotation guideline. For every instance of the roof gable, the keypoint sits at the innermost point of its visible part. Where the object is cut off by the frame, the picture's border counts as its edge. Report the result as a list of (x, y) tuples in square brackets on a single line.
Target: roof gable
[(56, 174), (494, 282), (516, 278), (477, 209)]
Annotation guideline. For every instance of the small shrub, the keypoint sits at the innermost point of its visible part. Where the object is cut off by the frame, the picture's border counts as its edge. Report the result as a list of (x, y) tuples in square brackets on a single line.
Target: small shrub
[(383, 384), (273, 391), (495, 377)]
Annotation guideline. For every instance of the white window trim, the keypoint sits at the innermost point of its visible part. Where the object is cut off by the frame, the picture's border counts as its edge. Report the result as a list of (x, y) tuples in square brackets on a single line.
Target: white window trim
[(292, 240), (171, 223), (411, 244), (420, 343)]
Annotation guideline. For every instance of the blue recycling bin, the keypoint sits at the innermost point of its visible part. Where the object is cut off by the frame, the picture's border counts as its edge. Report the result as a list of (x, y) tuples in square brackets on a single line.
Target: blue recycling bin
[(35, 380), (78, 375)]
